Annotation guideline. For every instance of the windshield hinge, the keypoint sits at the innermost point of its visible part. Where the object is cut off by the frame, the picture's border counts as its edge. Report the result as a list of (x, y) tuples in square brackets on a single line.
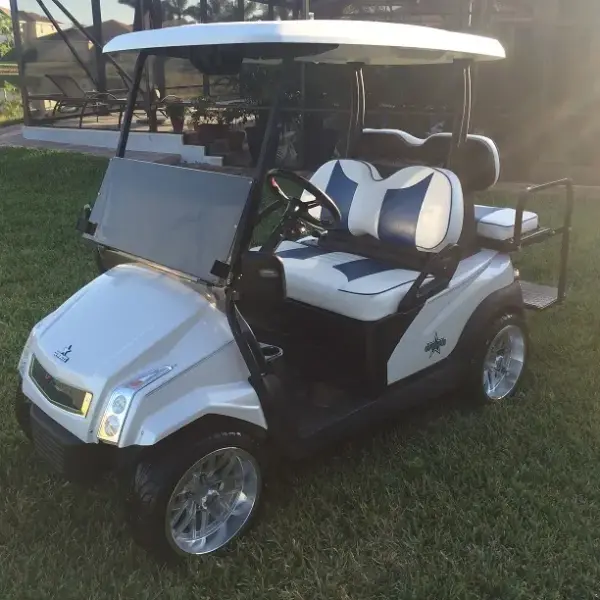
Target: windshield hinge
[(220, 269), (83, 222)]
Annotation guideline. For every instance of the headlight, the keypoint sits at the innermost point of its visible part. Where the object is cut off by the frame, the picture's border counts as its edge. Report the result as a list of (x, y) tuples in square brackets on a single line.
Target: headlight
[(120, 400)]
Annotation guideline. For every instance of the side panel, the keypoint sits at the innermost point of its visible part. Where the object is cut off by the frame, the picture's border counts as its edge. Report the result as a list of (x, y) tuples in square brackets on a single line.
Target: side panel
[(435, 332), (217, 385)]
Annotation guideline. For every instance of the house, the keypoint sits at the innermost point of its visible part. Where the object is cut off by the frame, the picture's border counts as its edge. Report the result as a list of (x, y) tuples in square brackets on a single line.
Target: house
[(32, 25), (50, 55)]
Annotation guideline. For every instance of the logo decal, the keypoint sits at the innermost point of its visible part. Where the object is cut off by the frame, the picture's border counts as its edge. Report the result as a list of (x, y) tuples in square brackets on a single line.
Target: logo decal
[(63, 355), (435, 346)]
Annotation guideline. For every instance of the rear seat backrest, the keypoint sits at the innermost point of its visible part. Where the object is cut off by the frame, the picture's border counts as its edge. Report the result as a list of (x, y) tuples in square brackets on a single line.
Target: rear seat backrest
[(416, 208), (477, 163)]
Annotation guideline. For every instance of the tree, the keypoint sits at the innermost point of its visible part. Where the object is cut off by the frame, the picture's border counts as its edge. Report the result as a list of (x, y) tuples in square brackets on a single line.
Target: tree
[(174, 9), (11, 107), (6, 35), (221, 10)]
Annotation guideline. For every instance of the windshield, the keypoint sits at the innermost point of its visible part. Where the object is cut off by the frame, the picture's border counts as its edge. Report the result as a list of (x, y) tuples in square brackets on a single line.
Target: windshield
[(181, 218)]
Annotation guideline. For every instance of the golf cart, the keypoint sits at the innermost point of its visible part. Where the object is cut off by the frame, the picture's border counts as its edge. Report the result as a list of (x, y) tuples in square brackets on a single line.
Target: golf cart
[(194, 356)]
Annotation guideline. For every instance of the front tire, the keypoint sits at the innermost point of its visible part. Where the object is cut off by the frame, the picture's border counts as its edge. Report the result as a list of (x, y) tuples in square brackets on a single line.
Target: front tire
[(196, 498), (499, 359)]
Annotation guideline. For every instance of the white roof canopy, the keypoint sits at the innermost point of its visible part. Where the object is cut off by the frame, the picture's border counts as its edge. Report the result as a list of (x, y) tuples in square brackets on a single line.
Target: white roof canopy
[(342, 41)]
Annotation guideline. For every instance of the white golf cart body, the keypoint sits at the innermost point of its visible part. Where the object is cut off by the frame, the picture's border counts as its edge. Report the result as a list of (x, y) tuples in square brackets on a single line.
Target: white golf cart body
[(147, 349), (173, 327)]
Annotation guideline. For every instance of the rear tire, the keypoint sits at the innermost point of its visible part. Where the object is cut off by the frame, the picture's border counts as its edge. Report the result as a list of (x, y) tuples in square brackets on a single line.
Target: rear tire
[(174, 504), (499, 359)]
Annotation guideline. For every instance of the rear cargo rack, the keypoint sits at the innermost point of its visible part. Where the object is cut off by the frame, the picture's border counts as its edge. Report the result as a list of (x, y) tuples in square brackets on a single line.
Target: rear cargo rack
[(536, 296)]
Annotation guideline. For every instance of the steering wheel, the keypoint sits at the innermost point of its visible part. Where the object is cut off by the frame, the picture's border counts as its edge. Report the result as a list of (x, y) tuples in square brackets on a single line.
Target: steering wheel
[(296, 209)]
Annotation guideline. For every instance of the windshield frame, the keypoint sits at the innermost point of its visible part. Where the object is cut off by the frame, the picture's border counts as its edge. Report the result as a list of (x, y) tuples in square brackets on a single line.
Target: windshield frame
[(226, 272)]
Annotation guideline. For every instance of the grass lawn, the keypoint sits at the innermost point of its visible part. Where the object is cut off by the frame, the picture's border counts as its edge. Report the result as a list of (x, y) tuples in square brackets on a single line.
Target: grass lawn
[(502, 503)]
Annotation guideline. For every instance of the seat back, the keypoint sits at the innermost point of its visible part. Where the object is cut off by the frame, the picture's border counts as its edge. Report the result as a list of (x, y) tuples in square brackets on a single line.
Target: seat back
[(417, 208), (340, 180), (477, 164)]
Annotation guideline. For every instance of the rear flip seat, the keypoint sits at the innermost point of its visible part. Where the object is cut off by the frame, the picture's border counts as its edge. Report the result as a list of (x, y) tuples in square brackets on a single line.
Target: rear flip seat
[(496, 223), (478, 170)]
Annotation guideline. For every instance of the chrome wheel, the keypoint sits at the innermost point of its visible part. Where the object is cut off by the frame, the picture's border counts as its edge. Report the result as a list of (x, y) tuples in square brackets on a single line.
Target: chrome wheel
[(504, 362), (213, 501)]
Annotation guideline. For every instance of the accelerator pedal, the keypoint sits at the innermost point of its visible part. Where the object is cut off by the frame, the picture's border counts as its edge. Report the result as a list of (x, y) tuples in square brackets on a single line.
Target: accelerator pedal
[(537, 296)]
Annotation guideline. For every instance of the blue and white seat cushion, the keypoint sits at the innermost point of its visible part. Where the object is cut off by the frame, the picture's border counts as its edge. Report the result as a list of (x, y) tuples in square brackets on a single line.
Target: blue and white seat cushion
[(347, 284), (495, 223), (418, 207), (340, 180)]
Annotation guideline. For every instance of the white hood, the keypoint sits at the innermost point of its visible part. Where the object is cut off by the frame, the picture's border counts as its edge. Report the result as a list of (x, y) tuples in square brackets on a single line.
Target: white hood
[(126, 320)]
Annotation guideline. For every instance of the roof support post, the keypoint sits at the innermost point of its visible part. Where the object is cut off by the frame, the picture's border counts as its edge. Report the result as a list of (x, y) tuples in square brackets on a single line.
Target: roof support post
[(266, 159), (462, 119), (357, 108), (305, 9), (301, 10), (131, 102), (242, 333)]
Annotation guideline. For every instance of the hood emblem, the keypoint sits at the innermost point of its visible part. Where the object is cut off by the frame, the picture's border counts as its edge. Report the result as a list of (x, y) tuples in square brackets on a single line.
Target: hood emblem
[(63, 355)]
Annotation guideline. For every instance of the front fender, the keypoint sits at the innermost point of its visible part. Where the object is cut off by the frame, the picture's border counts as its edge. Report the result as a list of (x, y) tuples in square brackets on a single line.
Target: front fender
[(218, 385)]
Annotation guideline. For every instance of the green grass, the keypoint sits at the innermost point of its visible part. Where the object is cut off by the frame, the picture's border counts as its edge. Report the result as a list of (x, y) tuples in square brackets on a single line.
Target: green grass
[(502, 503)]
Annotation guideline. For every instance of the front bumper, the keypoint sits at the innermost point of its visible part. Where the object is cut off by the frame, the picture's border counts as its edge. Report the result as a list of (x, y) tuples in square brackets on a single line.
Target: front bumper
[(64, 453)]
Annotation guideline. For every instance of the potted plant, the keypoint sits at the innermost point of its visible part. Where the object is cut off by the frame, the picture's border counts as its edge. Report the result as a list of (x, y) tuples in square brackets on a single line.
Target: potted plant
[(176, 113), (208, 121), (236, 117)]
